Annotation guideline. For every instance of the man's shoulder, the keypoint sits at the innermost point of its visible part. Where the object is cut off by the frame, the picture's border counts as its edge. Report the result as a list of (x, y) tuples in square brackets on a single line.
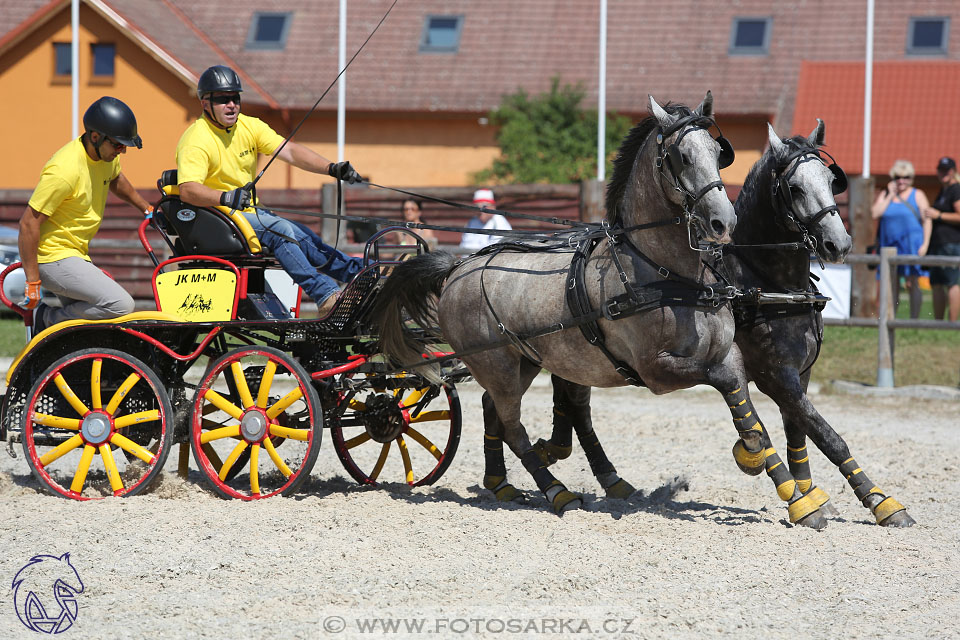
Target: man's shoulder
[(65, 163)]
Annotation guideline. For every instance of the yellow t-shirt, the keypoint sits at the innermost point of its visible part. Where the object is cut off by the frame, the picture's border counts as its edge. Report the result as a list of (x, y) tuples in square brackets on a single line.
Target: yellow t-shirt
[(72, 193), (220, 159)]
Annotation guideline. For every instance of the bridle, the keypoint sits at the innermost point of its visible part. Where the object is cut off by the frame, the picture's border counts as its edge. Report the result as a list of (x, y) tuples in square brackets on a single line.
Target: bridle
[(669, 162), (783, 200)]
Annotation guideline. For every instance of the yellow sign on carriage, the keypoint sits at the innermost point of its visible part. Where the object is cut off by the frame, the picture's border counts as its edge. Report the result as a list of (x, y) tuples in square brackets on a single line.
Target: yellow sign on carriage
[(197, 295)]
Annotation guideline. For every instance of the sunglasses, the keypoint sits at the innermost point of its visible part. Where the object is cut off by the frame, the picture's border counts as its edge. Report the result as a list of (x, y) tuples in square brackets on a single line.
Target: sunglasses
[(116, 145), (903, 177), (233, 97)]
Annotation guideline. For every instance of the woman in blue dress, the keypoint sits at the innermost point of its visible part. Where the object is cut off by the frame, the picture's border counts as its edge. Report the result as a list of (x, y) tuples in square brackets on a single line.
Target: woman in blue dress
[(902, 225)]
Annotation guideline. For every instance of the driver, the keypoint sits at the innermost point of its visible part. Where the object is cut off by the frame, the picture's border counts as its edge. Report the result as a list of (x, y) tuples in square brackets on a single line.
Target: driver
[(216, 164), (65, 212)]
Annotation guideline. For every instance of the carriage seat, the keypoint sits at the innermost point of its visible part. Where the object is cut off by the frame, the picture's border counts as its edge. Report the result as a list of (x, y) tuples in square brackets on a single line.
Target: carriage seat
[(212, 231)]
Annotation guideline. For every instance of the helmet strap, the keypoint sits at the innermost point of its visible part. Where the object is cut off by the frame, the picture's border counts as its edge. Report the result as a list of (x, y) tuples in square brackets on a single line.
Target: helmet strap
[(96, 146), (213, 118)]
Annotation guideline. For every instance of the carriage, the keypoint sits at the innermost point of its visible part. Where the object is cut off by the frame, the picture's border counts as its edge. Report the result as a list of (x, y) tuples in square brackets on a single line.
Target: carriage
[(226, 368)]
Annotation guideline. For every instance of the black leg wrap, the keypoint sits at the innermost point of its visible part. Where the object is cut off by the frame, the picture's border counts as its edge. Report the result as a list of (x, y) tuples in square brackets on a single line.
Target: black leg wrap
[(778, 472), (799, 463), (562, 422), (493, 454), (862, 485), (535, 467), (599, 463), (744, 417)]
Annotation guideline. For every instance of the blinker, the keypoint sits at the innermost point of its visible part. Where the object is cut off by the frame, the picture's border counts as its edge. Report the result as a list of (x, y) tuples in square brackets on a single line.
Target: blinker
[(839, 179), (727, 155)]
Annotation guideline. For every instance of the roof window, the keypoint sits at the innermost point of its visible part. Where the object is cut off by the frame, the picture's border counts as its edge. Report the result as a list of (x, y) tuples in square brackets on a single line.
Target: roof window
[(269, 30), (750, 36), (441, 34), (927, 36)]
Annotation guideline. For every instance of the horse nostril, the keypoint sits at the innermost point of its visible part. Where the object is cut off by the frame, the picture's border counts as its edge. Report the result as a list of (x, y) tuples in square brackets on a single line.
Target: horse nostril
[(831, 248), (718, 227)]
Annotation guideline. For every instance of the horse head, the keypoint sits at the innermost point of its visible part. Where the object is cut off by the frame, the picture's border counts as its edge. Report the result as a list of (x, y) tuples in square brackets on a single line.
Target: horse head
[(688, 162), (803, 190)]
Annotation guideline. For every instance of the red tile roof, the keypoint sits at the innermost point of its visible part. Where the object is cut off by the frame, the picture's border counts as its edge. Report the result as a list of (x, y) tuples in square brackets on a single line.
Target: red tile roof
[(911, 117)]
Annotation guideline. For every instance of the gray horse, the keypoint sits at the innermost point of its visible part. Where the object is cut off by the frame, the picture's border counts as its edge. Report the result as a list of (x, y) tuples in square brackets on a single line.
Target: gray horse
[(788, 197), (666, 170)]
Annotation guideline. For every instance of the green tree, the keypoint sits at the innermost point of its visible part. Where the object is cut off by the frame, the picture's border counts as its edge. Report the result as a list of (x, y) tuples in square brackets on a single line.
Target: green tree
[(549, 137)]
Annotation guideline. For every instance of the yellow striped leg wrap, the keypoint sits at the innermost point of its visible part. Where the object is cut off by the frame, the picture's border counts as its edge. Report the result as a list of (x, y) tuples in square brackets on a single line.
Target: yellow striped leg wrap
[(744, 417), (786, 485), (801, 508), (818, 495), (503, 490), (886, 509), (799, 463), (862, 485)]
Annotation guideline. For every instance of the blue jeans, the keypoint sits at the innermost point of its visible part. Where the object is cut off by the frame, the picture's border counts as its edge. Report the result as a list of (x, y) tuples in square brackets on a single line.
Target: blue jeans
[(302, 254)]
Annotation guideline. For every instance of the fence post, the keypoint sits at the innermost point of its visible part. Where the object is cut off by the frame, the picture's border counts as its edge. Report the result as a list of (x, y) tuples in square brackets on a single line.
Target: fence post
[(863, 297), (591, 200), (884, 315)]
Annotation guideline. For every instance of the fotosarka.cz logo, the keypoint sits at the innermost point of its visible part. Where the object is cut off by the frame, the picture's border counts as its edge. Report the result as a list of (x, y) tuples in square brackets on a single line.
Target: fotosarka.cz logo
[(45, 593)]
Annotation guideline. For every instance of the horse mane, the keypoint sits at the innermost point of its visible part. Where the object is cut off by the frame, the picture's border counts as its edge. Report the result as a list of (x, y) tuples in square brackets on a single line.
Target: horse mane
[(627, 156)]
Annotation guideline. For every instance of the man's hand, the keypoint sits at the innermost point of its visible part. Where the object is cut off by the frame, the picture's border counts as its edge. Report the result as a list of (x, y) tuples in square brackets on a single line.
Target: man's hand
[(32, 294), (238, 199), (344, 171)]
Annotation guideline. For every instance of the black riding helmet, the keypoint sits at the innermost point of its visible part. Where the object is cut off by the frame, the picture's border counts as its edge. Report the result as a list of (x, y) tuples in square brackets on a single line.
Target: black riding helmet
[(112, 118), (217, 78)]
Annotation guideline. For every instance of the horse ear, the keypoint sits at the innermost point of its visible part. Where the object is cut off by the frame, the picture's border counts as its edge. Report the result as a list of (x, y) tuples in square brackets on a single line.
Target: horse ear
[(776, 144), (816, 137), (706, 107), (664, 118)]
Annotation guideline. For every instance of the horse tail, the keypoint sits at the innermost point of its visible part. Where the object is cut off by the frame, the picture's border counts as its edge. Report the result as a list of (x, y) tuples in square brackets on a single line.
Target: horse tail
[(413, 288)]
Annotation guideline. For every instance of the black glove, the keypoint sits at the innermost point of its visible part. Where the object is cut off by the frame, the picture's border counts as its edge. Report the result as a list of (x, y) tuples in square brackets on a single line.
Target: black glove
[(238, 199), (344, 171)]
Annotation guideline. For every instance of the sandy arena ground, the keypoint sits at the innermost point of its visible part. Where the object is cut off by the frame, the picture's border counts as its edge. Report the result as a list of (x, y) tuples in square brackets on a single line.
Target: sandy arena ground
[(701, 551)]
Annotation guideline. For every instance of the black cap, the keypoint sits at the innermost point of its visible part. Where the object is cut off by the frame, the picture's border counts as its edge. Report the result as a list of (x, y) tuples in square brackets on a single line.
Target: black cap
[(112, 118), (946, 164), (218, 78)]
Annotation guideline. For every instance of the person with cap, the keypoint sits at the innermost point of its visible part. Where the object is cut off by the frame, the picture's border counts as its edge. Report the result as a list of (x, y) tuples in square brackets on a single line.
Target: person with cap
[(65, 212), (216, 163), (486, 220), (945, 240)]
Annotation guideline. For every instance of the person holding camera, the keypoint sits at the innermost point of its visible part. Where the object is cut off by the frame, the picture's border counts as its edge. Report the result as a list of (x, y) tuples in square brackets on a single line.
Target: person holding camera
[(216, 164), (902, 225)]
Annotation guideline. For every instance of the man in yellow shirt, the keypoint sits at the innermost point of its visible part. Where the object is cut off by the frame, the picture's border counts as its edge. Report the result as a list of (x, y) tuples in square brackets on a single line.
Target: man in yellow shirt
[(216, 164), (65, 212)]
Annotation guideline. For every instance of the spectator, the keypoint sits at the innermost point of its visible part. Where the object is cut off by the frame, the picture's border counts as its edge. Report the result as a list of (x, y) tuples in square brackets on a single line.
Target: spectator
[(945, 240), (483, 198), (64, 214), (412, 210), (901, 225)]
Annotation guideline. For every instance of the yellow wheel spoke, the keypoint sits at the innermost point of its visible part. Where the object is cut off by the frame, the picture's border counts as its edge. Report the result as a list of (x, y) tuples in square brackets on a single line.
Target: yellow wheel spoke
[(242, 388), (232, 458), (81, 475), (431, 416), (254, 470), (61, 449), (405, 455), (284, 402), (212, 456), (70, 396), (122, 392), (231, 431), (356, 441), (384, 452), (223, 404), (265, 383), (286, 432), (136, 418), (424, 442), (56, 421), (414, 397), (111, 466), (95, 383), (356, 405), (284, 469), (132, 447)]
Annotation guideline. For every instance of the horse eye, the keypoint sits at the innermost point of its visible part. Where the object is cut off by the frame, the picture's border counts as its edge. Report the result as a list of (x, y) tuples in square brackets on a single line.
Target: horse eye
[(686, 160), (795, 191)]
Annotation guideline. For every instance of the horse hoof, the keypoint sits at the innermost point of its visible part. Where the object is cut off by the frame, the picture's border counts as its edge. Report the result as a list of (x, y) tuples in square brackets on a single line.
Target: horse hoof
[(814, 520), (821, 499), (828, 509), (503, 490), (550, 453), (566, 501), (898, 519), (749, 462), (620, 490)]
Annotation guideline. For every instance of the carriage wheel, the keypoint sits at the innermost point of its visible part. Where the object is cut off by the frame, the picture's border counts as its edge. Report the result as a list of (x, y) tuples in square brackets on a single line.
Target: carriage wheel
[(407, 434), (97, 423), (251, 401)]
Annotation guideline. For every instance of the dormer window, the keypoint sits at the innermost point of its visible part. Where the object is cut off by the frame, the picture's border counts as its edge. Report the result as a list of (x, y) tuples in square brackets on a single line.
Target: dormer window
[(928, 36), (750, 36), (441, 34), (269, 30)]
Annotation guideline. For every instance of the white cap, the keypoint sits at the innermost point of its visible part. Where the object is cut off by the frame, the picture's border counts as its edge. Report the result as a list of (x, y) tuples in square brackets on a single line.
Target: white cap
[(483, 196)]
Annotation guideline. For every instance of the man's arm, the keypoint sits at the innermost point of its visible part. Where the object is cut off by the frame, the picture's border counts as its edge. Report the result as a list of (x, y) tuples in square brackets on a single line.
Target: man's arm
[(199, 195), (122, 188), (304, 158), (28, 242)]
